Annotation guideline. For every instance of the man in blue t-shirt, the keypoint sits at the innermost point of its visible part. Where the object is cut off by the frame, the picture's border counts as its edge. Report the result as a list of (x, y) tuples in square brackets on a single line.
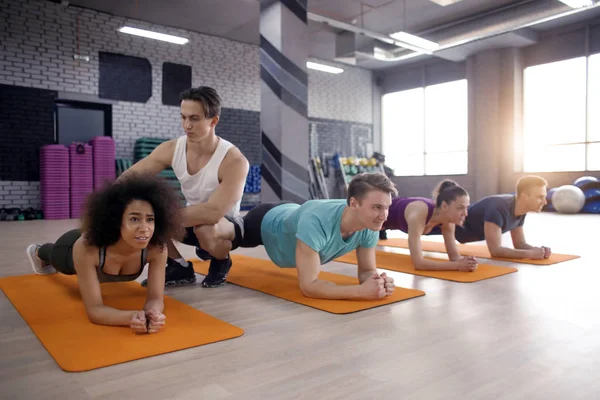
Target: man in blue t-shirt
[(493, 216), (309, 235)]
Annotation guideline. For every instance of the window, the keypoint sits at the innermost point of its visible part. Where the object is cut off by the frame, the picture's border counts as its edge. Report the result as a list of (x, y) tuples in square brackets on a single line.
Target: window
[(425, 130), (559, 134), (593, 128)]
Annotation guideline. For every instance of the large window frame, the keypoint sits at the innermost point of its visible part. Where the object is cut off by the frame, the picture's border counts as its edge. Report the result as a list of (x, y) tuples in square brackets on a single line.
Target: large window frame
[(428, 149), (561, 132)]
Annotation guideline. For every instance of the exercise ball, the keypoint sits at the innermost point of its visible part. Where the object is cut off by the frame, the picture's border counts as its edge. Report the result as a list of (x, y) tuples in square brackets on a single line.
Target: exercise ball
[(568, 199), (592, 193), (584, 180), (591, 207), (548, 206), (549, 194)]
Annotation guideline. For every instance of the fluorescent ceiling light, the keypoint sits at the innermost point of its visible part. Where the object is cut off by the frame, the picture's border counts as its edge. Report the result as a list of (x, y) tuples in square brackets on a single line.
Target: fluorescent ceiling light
[(577, 3), (384, 55), (445, 3), (153, 35), (415, 41), (324, 68)]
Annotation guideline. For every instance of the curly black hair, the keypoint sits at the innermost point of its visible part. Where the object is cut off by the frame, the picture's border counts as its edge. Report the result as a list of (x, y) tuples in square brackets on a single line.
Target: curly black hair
[(103, 214)]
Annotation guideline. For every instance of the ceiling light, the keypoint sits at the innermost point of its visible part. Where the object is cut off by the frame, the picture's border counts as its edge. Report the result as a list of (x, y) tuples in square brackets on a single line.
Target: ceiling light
[(153, 35), (577, 3), (324, 68), (445, 3), (384, 55), (415, 41)]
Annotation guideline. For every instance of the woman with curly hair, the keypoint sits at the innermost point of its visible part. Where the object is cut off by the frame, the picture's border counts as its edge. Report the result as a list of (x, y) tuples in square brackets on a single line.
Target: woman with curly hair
[(125, 226)]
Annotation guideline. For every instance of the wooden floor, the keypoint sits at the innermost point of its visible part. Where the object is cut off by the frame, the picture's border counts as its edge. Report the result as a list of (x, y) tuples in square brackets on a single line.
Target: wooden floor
[(534, 334)]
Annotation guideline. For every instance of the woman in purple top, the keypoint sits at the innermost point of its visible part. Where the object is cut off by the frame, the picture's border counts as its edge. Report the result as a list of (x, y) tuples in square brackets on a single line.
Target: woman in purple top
[(419, 216)]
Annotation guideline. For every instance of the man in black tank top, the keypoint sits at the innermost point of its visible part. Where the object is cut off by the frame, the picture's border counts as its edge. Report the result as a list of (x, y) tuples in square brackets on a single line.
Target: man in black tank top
[(209, 207)]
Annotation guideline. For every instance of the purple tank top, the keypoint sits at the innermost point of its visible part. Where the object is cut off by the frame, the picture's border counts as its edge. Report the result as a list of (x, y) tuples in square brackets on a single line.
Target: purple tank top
[(397, 220)]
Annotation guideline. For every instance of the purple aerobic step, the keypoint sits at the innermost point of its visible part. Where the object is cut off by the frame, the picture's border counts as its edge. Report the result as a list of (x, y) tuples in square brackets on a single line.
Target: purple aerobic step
[(54, 181), (103, 155), (81, 176)]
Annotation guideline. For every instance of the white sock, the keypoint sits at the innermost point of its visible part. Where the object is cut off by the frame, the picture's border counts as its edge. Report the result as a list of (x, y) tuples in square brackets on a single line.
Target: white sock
[(182, 262)]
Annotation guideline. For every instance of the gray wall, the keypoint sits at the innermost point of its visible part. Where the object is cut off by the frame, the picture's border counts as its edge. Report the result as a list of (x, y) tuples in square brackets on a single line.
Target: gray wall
[(495, 108)]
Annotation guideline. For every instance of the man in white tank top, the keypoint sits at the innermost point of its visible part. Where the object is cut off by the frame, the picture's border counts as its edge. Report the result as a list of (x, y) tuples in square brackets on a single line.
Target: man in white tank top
[(212, 173)]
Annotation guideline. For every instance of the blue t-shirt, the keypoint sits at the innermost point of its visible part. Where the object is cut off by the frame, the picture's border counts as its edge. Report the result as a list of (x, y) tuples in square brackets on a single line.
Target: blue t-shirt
[(498, 209), (317, 224)]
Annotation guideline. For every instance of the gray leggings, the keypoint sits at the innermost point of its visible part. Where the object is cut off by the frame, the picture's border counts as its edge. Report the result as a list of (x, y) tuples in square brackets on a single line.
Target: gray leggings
[(60, 253)]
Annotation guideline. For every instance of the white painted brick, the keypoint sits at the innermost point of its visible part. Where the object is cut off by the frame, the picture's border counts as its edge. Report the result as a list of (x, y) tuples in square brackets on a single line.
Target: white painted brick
[(40, 41), (346, 96), (12, 186)]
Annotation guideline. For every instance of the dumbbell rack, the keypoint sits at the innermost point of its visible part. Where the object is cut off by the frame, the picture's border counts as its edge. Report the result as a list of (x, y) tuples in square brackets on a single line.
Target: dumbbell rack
[(346, 176)]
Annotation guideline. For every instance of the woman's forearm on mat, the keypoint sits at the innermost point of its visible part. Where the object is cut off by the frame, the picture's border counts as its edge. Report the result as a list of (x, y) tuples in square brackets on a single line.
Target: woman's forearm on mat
[(327, 290), (103, 315), (454, 256), (154, 304)]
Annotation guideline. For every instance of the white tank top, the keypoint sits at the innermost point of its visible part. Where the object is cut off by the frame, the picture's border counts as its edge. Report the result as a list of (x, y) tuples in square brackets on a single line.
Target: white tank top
[(197, 188)]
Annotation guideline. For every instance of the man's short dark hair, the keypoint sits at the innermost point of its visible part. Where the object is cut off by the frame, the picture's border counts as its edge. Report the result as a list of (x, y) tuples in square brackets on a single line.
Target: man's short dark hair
[(208, 97), (366, 182)]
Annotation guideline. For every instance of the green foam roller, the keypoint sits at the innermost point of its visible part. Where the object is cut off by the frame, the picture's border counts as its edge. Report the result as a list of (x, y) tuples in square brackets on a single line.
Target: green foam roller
[(155, 141)]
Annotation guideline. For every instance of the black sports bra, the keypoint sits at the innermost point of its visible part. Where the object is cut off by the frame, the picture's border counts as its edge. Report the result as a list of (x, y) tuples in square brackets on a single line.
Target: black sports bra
[(102, 277)]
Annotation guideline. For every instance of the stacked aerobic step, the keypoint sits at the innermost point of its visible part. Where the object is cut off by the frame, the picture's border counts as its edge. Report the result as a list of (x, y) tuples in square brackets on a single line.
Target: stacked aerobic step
[(122, 165), (103, 156), (54, 181), (81, 176), (143, 147)]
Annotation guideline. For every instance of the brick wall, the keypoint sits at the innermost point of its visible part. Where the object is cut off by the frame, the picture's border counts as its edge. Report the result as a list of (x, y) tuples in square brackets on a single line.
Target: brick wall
[(19, 194), (346, 96), (38, 39)]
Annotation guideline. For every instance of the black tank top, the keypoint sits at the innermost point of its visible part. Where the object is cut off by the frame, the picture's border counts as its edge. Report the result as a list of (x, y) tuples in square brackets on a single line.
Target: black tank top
[(102, 277)]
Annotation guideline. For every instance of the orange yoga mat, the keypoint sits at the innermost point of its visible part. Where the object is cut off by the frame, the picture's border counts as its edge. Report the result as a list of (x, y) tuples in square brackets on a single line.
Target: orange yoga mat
[(476, 251), (403, 263), (52, 307), (266, 277)]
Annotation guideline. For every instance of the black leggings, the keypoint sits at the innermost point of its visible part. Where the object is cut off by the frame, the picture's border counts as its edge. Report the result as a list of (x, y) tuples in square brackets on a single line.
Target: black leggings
[(60, 253), (253, 221)]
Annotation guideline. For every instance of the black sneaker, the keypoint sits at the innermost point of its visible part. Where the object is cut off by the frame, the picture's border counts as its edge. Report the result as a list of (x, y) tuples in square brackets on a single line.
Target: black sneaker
[(176, 274), (202, 254), (217, 273)]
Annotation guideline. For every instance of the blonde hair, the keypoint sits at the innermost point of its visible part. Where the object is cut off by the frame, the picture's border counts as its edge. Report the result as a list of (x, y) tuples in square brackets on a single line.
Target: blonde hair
[(530, 181)]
